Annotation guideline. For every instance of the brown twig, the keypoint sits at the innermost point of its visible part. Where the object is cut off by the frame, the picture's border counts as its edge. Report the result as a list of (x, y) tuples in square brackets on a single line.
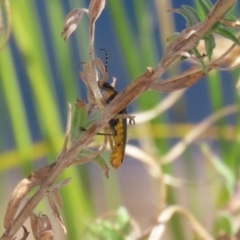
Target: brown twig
[(189, 36)]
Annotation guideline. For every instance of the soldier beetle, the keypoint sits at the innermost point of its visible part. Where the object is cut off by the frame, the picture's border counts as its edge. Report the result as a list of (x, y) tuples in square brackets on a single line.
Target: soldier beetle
[(118, 125)]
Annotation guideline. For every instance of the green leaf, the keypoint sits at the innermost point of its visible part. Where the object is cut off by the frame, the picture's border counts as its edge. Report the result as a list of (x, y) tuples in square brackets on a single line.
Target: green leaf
[(208, 3), (206, 6), (79, 119), (230, 17), (186, 15), (118, 227), (222, 169), (231, 9), (224, 224), (123, 220), (216, 26), (91, 121), (226, 173), (227, 34), (210, 44), (98, 160), (202, 63), (173, 37), (192, 12)]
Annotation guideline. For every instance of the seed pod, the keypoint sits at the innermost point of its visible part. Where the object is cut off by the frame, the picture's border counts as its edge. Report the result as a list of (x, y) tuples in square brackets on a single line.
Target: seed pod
[(71, 22), (95, 9)]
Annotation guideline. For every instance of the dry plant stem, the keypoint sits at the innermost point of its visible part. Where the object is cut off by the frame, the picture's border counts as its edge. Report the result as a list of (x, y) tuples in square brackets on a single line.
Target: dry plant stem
[(91, 79), (91, 44), (32, 202), (161, 107), (188, 37), (181, 183), (179, 148), (167, 214), (66, 158), (95, 9), (191, 75), (154, 169), (228, 51), (22, 189), (56, 213)]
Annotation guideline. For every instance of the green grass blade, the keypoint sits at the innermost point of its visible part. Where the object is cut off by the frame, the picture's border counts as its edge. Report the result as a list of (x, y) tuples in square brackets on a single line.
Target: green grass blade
[(16, 109), (126, 39), (29, 40)]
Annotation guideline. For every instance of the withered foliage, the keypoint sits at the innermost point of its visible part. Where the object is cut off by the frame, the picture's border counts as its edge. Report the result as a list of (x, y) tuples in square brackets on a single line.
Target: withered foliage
[(71, 22), (46, 177), (41, 227)]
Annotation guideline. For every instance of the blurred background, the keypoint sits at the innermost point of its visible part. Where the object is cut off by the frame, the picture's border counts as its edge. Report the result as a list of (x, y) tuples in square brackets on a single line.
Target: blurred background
[(39, 76)]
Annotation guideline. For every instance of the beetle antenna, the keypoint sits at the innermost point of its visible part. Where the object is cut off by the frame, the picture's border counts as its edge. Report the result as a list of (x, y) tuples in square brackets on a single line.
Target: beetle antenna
[(106, 58)]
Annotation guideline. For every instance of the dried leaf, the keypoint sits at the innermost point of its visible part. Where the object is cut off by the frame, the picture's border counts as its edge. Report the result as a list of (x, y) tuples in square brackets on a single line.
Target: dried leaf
[(34, 225), (145, 158), (47, 235), (20, 191), (161, 107), (188, 38), (90, 78), (90, 95), (95, 9), (56, 212), (231, 24), (58, 198), (99, 65), (186, 79), (63, 183), (185, 41), (71, 22), (180, 147), (25, 233), (40, 225), (166, 215), (44, 224)]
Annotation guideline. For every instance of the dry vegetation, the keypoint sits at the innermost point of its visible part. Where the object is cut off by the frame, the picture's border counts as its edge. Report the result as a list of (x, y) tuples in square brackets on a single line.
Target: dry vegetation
[(75, 148)]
